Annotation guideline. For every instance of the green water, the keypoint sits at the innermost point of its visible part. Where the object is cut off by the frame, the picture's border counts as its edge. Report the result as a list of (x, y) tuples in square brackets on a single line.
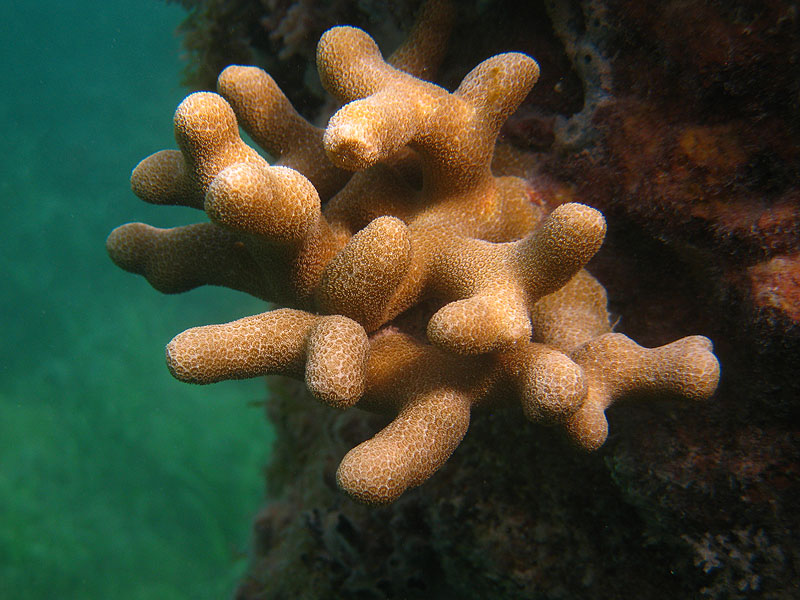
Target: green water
[(115, 480)]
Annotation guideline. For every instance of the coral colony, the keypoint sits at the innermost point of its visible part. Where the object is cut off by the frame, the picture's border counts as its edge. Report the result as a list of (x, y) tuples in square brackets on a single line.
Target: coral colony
[(417, 280)]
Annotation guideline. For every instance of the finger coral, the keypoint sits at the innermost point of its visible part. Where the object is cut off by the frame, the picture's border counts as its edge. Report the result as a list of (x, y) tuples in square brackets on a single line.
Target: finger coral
[(415, 279)]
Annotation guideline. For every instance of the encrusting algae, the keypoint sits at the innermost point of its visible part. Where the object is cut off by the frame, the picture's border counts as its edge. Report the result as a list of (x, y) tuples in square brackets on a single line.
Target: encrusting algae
[(416, 280)]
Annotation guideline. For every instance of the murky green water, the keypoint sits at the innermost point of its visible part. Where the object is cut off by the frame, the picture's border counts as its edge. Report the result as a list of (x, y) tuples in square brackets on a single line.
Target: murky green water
[(115, 480)]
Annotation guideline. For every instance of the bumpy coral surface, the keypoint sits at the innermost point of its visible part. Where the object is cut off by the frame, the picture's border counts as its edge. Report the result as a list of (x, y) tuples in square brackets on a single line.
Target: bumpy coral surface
[(416, 279)]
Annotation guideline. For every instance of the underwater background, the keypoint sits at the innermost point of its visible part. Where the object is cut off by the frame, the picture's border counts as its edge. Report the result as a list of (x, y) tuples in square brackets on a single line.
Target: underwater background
[(677, 119), (115, 479)]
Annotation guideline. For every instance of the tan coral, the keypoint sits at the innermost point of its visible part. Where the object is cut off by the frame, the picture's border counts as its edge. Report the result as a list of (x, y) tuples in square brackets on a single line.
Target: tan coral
[(422, 283), (616, 367), (268, 117), (329, 351)]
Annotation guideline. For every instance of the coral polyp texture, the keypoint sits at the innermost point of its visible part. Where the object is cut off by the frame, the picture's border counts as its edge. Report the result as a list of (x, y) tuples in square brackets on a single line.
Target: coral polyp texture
[(415, 280)]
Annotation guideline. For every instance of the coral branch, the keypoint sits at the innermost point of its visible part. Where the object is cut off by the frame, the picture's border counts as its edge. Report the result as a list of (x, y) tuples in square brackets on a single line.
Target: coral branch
[(331, 351), (617, 367)]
